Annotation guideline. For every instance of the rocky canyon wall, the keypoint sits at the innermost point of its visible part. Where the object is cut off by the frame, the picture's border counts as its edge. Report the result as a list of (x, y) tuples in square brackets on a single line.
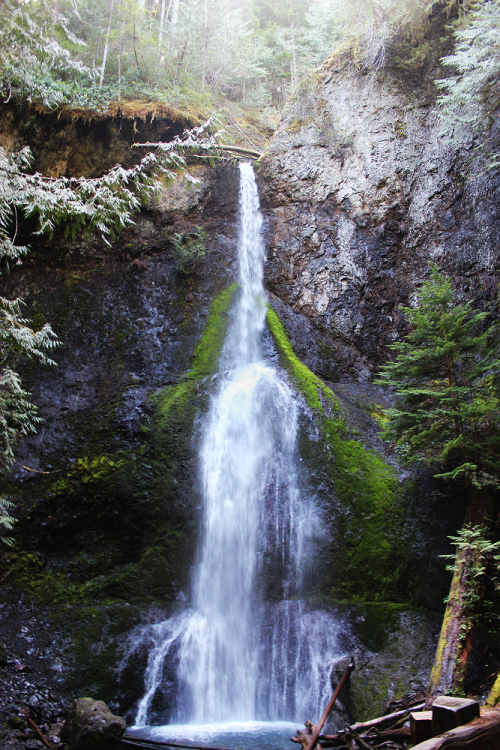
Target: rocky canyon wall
[(362, 194)]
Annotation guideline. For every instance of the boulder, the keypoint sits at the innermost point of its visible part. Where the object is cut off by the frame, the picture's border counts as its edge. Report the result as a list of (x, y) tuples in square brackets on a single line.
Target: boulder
[(91, 726)]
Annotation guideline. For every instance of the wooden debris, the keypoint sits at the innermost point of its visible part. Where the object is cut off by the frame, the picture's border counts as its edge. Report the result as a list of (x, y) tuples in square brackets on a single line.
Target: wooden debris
[(421, 727), (449, 712), (481, 734), (384, 719), (37, 730), (336, 693)]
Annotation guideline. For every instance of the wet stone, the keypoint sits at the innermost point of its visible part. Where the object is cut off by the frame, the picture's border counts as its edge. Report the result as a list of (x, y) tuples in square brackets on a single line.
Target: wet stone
[(91, 726)]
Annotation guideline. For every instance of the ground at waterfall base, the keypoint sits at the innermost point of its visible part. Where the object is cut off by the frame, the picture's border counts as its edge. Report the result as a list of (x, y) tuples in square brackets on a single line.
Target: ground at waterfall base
[(23, 686)]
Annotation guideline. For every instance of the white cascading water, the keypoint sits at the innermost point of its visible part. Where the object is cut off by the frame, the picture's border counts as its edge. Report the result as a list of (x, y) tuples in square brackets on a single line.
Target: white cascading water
[(238, 656)]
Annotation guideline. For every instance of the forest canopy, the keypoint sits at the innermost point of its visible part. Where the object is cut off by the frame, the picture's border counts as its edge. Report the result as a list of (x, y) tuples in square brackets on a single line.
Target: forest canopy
[(88, 52)]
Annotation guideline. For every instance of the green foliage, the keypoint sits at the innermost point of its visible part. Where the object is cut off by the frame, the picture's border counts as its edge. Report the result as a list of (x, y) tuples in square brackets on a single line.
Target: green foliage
[(475, 539), (475, 554), (446, 378), (36, 64), (470, 96), (18, 415), (189, 250), (6, 519)]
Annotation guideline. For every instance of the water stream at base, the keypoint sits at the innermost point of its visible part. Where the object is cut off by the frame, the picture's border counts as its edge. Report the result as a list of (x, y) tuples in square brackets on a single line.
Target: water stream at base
[(240, 656)]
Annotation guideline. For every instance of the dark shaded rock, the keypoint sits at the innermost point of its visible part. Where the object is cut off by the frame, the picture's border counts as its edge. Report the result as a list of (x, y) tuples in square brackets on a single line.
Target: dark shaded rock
[(72, 145), (3, 656), (91, 725)]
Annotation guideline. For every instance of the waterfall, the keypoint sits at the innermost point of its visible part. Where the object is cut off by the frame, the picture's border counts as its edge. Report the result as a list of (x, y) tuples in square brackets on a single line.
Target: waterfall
[(240, 652)]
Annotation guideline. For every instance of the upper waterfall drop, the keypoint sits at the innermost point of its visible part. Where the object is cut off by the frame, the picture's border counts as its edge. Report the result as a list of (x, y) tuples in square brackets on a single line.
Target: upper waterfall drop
[(240, 653)]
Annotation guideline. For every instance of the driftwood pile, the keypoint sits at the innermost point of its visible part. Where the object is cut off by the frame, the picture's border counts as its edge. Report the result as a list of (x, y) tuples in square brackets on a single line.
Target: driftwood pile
[(387, 732)]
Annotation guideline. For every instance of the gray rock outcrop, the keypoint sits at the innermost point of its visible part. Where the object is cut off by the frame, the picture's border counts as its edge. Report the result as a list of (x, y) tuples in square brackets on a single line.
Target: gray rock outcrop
[(361, 195)]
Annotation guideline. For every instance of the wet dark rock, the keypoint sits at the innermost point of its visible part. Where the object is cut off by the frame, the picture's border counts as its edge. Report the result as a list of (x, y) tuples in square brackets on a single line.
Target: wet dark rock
[(3, 656), (90, 725)]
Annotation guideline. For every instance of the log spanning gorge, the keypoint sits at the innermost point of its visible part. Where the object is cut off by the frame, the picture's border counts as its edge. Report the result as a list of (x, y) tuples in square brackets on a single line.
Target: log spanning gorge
[(244, 657)]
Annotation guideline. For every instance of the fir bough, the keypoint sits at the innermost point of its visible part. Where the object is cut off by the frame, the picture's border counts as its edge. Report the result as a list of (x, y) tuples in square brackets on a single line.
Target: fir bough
[(470, 96), (445, 375)]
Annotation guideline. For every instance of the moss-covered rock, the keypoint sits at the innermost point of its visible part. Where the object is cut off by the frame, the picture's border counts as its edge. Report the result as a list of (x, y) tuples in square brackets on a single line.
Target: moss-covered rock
[(367, 551), (394, 657)]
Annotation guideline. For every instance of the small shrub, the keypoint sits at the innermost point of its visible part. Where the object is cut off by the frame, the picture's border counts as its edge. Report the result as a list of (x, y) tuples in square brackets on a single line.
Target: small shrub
[(189, 250)]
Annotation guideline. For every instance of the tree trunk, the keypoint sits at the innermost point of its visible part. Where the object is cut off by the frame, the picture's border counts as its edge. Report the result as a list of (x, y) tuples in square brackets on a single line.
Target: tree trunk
[(120, 70), (175, 12), (205, 50), (293, 65), (464, 602), (106, 45), (494, 696), (162, 21)]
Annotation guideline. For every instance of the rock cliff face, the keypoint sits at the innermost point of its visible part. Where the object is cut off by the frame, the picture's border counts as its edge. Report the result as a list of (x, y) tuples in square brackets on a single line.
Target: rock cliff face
[(361, 196)]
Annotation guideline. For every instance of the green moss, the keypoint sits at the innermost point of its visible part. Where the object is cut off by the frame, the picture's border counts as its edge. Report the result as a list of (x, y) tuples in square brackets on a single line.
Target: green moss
[(208, 350), (296, 125), (93, 668), (87, 470), (204, 359), (494, 696), (369, 561), (306, 381), (399, 643), (84, 579), (30, 574)]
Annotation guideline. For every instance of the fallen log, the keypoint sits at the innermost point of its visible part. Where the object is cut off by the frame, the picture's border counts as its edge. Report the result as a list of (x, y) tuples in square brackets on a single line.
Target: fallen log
[(38, 731), (240, 150), (304, 738), (337, 740), (384, 719), (220, 147)]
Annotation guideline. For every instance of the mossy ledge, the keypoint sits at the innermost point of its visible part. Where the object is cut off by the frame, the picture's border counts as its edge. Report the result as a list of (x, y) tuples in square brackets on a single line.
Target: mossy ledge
[(369, 557), (205, 358)]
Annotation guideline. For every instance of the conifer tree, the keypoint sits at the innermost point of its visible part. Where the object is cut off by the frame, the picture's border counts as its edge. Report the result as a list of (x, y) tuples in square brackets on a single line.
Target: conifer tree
[(445, 375)]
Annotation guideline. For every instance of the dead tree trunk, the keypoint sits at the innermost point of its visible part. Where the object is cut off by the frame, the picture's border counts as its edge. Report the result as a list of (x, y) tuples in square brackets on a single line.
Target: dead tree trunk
[(464, 602)]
